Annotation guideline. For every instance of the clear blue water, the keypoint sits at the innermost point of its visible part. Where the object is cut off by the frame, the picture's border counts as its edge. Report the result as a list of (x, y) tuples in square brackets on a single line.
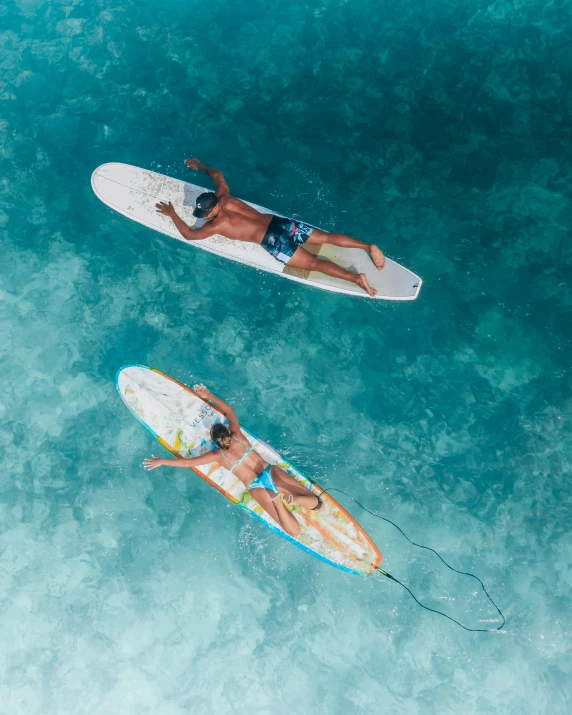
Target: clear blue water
[(441, 130)]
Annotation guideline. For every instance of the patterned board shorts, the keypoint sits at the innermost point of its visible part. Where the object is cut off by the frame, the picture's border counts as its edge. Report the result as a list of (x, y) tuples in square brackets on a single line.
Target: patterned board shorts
[(283, 237)]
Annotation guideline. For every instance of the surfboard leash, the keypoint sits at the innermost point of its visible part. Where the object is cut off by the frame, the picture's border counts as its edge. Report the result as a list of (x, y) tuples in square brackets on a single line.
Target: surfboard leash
[(428, 548)]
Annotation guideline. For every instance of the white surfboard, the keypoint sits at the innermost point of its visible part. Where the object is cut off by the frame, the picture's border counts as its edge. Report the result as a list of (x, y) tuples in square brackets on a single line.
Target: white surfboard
[(134, 192)]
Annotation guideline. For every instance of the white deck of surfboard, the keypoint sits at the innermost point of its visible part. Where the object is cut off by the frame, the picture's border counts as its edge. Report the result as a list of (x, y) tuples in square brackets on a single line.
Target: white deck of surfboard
[(134, 192)]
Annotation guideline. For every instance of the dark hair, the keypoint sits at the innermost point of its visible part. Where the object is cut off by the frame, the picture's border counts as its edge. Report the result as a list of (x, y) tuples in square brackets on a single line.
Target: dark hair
[(220, 435)]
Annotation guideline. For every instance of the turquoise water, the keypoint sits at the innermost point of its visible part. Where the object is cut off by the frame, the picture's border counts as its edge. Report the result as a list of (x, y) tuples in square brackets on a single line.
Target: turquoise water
[(440, 130)]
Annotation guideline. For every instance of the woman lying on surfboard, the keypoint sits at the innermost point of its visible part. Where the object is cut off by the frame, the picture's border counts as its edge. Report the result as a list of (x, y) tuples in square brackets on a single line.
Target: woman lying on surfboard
[(283, 238), (267, 484)]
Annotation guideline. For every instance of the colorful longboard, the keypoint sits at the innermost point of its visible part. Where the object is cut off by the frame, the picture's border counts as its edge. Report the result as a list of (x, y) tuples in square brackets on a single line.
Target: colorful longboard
[(181, 421), (133, 192)]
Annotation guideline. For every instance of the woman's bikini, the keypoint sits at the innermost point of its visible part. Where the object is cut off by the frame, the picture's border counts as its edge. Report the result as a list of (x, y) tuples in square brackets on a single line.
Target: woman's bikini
[(263, 480)]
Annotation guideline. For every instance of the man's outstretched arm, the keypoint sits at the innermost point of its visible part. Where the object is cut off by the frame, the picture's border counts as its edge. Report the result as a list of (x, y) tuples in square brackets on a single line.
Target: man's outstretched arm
[(221, 187), (190, 234)]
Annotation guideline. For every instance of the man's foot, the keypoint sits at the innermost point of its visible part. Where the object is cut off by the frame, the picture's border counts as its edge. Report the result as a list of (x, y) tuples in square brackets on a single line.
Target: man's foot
[(361, 281), (377, 257)]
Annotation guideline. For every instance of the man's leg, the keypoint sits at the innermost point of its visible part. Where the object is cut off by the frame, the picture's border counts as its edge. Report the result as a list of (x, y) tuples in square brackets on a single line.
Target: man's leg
[(287, 483), (307, 262), (277, 510), (340, 239)]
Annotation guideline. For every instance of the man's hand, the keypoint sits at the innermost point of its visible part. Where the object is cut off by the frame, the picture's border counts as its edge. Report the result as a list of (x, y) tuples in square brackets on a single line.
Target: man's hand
[(221, 187), (166, 208), (153, 463)]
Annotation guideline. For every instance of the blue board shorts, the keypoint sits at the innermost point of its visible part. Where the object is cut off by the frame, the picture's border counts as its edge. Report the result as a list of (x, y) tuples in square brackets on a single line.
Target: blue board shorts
[(283, 236)]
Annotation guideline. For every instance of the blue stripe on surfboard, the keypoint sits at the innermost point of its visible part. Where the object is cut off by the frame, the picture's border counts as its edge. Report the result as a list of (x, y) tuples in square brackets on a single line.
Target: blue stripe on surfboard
[(271, 527), (292, 540)]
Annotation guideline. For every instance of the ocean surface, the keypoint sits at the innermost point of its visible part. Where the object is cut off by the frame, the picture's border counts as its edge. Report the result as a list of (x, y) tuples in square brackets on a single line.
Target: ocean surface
[(440, 130)]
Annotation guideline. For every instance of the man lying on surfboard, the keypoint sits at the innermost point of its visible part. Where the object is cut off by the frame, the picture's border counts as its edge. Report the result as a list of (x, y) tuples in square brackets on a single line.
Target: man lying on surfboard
[(283, 238), (266, 483)]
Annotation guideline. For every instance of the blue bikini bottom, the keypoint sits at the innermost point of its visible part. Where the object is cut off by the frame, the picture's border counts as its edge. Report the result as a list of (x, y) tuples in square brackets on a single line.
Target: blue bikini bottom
[(264, 481)]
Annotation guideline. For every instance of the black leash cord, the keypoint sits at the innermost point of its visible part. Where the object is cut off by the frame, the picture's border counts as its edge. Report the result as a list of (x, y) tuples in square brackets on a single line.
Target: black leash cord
[(428, 548)]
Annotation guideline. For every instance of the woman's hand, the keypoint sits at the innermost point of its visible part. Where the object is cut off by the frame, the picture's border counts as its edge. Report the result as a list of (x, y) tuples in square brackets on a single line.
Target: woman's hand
[(153, 463), (202, 391)]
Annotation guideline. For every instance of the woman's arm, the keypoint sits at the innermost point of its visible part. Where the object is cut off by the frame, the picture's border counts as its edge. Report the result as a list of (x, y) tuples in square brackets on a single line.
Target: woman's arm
[(154, 462), (221, 405)]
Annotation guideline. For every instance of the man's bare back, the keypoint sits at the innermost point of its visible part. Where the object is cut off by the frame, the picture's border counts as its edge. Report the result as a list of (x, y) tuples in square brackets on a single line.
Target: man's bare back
[(283, 238), (239, 221)]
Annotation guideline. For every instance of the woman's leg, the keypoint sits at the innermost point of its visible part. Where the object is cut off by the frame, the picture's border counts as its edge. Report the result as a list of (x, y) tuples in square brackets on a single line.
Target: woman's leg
[(277, 510), (287, 483)]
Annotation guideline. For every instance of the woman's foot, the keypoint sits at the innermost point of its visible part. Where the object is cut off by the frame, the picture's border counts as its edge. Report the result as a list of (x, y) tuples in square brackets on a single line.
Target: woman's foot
[(288, 498), (377, 257), (284, 516), (361, 281)]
